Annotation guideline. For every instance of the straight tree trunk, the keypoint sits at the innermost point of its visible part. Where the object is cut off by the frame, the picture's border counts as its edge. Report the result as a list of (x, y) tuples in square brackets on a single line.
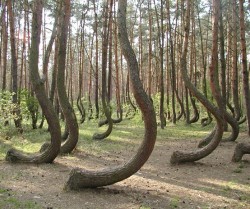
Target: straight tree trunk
[(245, 72), (223, 63), (243, 148), (150, 51), (235, 79), (96, 64), (4, 47), (173, 73), (17, 112), (117, 70)]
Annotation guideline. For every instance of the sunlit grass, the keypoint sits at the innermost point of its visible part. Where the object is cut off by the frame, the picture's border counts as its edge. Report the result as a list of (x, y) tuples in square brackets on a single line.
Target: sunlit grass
[(126, 135), (228, 185)]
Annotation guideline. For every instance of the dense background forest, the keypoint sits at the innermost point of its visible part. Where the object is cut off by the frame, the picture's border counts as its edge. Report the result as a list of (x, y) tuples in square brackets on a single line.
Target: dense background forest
[(66, 65), (156, 31)]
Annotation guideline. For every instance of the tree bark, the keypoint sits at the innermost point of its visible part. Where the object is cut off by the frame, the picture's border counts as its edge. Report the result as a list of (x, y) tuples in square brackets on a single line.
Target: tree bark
[(235, 79), (96, 64), (243, 148), (68, 111), (17, 111), (240, 150), (223, 63), (173, 71), (245, 72), (105, 104), (52, 151), (84, 179), (4, 48), (181, 157)]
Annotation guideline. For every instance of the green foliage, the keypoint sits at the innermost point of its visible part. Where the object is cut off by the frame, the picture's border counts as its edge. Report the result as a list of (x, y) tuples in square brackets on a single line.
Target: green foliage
[(28, 104), (7, 107)]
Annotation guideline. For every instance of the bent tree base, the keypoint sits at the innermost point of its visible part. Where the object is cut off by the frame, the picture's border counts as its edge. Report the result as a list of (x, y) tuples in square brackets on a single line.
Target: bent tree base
[(217, 112), (90, 179), (53, 150), (240, 150)]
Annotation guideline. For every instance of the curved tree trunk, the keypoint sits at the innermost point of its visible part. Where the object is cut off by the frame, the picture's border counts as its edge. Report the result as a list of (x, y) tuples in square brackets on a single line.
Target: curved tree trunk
[(234, 135), (178, 156), (47, 59), (182, 110), (82, 178), (79, 102), (105, 104), (52, 151), (196, 112), (67, 109), (129, 100), (240, 150), (204, 121)]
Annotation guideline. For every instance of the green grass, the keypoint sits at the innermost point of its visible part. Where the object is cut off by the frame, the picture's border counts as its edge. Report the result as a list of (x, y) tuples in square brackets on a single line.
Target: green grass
[(9, 201), (126, 134), (174, 202)]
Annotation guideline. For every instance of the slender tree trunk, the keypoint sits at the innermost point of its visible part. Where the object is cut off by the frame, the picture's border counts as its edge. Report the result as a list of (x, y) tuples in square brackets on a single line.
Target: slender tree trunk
[(53, 149), (4, 47), (150, 51), (23, 53), (96, 64), (68, 111), (178, 156), (105, 104), (110, 52), (243, 148), (208, 120), (235, 79), (90, 73), (80, 73), (223, 63), (173, 73), (17, 112), (245, 72), (117, 70)]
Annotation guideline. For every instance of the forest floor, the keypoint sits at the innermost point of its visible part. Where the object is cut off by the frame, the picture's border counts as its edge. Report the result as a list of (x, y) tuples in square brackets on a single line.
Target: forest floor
[(213, 182)]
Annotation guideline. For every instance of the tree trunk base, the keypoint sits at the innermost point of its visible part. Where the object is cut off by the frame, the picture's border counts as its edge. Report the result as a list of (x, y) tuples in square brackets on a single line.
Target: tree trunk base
[(16, 156), (204, 142), (240, 150), (206, 121)]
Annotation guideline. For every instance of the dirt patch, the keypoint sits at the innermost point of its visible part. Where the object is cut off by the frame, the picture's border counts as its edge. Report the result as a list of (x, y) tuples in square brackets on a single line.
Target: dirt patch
[(213, 182)]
